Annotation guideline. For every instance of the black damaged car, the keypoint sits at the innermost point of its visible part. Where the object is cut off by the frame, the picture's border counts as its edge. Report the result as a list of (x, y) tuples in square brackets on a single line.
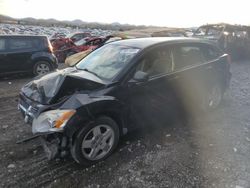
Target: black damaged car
[(84, 110)]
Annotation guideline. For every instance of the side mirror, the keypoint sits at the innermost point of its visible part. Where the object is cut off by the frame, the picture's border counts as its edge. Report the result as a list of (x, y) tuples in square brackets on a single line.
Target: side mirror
[(141, 76)]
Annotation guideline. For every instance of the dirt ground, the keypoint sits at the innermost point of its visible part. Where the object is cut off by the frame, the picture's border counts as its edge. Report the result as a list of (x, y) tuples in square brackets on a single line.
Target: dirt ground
[(212, 150)]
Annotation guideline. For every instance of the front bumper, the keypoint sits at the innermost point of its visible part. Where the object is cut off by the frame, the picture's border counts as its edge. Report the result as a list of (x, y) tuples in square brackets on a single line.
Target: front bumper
[(50, 146), (55, 145)]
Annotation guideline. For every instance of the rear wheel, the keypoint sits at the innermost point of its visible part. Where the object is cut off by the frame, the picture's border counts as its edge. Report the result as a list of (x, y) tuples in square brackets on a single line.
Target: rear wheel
[(41, 68), (96, 141)]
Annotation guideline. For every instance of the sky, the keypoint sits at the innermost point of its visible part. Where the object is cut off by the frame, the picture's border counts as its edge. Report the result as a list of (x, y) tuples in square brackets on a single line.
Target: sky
[(170, 13)]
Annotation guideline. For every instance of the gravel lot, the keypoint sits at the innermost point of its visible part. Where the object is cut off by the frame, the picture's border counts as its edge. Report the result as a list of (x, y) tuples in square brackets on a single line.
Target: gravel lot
[(212, 150)]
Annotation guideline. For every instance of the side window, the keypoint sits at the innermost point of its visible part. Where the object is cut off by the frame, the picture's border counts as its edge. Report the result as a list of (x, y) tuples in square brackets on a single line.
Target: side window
[(2, 45), (89, 43), (211, 53), (20, 44), (157, 62), (187, 55), (96, 42), (77, 37)]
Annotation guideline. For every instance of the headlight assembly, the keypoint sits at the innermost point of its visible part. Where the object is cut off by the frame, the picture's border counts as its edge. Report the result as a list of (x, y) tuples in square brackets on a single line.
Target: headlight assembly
[(51, 121)]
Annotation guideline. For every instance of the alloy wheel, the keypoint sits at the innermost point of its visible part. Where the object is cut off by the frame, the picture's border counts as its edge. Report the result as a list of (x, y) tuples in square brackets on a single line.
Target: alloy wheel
[(98, 142)]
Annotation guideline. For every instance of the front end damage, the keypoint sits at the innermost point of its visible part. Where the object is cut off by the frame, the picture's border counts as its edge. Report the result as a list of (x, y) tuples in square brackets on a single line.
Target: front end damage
[(49, 128), (55, 145), (52, 109)]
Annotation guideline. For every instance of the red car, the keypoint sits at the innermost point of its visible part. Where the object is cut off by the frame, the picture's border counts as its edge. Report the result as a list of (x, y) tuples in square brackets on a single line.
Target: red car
[(78, 36), (64, 47), (90, 43)]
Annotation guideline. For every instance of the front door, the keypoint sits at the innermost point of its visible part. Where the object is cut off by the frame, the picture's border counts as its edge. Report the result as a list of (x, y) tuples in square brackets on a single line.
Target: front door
[(152, 101)]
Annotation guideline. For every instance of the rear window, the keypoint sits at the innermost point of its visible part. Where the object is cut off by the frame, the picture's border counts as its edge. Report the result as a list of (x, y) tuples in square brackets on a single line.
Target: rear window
[(24, 43)]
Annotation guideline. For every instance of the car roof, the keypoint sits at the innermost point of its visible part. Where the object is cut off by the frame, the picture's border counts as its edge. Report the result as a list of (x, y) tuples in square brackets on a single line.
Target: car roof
[(150, 41)]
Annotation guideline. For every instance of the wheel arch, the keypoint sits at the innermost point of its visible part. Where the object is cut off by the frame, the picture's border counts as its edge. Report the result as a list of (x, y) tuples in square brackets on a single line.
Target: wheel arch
[(117, 117), (42, 56), (46, 59), (88, 113)]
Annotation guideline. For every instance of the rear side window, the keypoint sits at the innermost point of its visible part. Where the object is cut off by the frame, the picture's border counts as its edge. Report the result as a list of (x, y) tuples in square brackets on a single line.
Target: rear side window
[(24, 43), (2, 45), (188, 55), (211, 53)]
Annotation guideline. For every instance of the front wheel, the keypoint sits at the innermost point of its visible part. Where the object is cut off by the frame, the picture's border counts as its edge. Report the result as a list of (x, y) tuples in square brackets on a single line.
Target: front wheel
[(96, 141)]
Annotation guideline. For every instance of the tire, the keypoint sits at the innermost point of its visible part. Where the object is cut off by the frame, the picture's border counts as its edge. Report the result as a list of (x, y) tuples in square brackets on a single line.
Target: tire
[(41, 68), (212, 99), (97, 146)]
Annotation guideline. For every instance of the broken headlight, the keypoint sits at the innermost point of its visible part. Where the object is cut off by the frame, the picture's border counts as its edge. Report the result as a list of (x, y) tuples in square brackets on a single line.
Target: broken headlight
[(51, 121)]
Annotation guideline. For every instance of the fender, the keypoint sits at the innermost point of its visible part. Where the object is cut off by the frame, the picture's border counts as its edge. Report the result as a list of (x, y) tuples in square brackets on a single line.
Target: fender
[(43, 56), (89, 108)]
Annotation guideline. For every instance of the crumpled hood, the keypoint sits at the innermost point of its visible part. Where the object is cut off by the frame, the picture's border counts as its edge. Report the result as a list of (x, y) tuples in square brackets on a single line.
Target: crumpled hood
[(56, 85)]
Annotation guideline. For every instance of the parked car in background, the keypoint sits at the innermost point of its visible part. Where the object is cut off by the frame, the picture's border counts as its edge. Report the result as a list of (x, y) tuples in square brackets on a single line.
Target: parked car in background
[(78, 36), (23, 53), (63, 47), (75, 58), (233, 39), (90, 43), (84, 110)]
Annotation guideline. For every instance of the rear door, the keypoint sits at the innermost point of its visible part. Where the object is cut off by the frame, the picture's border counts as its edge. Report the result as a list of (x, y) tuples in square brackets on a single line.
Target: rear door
[(219, 65), (195, 72), (20, 50)]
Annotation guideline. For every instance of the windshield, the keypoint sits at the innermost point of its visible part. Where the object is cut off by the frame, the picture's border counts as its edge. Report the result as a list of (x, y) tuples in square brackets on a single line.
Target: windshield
[(107, 61)]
